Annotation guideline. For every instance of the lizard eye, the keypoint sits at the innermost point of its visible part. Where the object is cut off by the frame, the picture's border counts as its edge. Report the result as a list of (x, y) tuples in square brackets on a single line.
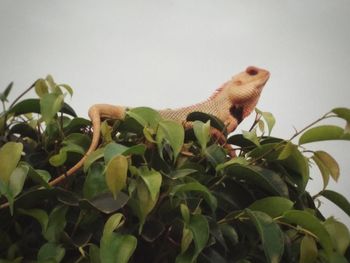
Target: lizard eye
[(252, 71), (237, 113)]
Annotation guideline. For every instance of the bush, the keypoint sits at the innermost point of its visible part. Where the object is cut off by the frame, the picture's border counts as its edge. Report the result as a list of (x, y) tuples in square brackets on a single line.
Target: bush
[(154, 192)]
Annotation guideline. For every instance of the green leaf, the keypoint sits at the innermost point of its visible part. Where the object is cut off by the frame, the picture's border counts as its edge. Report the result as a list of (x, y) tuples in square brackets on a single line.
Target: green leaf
[(172, 133), (339, 234), (202, 132), (185, 212), (92, 157), (39, 215), (270, 234), (51, 252), (312, 224), (196, 187), (152, 179), (113, 149), (145, 116), (50, 104), (41, 87), (337, 199), (230, 233), (204, 117), (4, 95), (323, 169), (215, 154), (330, 163), (343, 113), (33, 106), (10, 154), (145, 202), (251, 136), (114, 247), (116, 174), (58, 159), (57, 223), (308, 250), (67, 88), (264, 178), (274, 206), (233, 161), (17, 179), (269, 118), (42, 177), (200, 231), (95, 183), (323, 133), (94, 254)]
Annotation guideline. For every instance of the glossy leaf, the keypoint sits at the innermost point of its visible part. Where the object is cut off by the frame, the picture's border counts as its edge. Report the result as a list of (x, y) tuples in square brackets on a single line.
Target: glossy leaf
[(172, 133), (105, 202), (10, 154), (200, 231), (251, 136), (116, 174), (92, 157), (202, 132), (337, 199), (270, 234), (339, 234), (274, 206), (269, 118), (204, 117), (343, 113), (308, 250), (196, 187), (152, 179), (329, 162), (50, 104), (323, 133), (312, 224), (145, 116), (113, 149), (95, 182), (267, 179)]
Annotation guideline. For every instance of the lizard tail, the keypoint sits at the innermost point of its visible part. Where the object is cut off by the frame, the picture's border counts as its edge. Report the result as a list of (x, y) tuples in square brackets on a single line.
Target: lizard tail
[(95, 113)]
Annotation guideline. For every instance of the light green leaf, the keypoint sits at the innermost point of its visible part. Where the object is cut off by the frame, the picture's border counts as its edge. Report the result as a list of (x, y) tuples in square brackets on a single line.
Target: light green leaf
[(339, 234), (185, 212), (308, 250), (312, 224), (269, 118), (116, 174), (286, 151), (200, 230), (172, 133), (274, 206), (17, 179), (323, 169), (330, 163), (94, 254), (186, 239), (145, 116), (67, 88), (251, 136), (58, 159), (233, 161), (196, 187), (337, 199), (202, 132), (50, 104), (51, 252), (114, 222), (41, 87), (152, 179), (113, 149), (323, 133), (10, 154), (92, 157), (270, 234)]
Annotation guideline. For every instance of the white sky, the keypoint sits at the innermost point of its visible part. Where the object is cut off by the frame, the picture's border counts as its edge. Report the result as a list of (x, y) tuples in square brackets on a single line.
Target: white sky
[(164, 53)]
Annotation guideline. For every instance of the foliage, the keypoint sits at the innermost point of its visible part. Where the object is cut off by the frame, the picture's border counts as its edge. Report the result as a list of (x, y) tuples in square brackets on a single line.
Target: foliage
[(154, 192)]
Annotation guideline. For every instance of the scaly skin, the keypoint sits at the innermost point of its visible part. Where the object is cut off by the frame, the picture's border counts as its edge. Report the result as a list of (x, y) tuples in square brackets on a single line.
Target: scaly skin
[(231, 103)]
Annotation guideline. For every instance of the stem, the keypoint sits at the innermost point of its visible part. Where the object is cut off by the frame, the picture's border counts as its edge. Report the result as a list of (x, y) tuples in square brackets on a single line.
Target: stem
[(21, 95)]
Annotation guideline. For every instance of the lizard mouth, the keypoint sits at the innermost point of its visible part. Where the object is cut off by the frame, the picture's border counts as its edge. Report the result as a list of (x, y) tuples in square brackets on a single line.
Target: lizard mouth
[(237, 112)]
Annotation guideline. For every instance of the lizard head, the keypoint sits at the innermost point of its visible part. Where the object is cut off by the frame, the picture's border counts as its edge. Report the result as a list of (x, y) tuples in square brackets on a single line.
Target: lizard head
[(244, 91)]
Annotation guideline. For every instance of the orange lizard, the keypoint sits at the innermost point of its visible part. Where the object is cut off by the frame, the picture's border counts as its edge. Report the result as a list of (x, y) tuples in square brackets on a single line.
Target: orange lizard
[(231, 103)]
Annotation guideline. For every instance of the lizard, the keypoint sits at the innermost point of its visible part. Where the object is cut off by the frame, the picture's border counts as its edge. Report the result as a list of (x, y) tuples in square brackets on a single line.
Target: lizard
[(231, 103)]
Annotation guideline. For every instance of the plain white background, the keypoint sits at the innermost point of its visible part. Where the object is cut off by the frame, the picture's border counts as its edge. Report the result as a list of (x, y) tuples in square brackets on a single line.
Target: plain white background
[(167, 53)]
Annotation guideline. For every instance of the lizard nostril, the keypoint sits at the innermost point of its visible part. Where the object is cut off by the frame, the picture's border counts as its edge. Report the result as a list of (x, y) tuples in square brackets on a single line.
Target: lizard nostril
[(252, 71)]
